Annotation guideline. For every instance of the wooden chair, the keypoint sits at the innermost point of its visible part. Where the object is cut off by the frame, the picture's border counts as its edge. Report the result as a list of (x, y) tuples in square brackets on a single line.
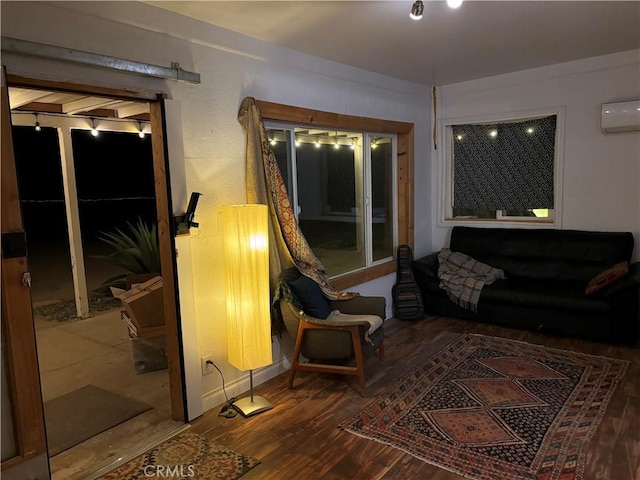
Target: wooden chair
[(334, 347)]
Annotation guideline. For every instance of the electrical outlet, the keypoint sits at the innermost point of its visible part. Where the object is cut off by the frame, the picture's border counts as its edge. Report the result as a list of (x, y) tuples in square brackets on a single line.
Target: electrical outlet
[(207, 368)]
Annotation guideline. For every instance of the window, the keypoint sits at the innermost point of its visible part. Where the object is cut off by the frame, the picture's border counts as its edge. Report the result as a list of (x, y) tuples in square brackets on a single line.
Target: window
[(342, 186), (502, 170), (402, 183)]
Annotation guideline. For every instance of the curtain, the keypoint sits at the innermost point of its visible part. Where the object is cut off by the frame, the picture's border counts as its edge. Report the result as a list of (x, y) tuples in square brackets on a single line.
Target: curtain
[(287, 244), (504, 166)]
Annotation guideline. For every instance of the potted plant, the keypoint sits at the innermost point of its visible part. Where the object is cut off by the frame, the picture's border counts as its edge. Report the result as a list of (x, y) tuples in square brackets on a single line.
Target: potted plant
[(136, 250)]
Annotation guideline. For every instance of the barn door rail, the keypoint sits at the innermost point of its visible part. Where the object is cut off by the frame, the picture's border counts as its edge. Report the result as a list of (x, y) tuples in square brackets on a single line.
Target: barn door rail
[(35, 49)]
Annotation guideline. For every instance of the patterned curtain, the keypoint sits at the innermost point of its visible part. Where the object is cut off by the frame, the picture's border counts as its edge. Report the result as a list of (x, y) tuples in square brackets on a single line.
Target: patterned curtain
[(504, 166), (265, 185)]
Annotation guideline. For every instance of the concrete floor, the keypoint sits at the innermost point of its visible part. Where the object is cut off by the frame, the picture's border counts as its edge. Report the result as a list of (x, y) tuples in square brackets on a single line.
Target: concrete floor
[(97, 351), (93, 351)]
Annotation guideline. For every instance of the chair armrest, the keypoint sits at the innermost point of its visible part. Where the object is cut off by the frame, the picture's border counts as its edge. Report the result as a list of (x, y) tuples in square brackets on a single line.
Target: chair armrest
[(291, 311), (361, 306), (332, 323)]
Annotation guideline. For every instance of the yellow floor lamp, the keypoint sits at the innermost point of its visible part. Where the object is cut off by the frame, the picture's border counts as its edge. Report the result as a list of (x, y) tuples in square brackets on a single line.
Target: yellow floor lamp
[(246, 254)]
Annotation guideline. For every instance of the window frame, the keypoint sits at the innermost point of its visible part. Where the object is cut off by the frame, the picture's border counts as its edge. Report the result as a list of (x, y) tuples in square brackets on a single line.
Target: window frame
[(366, 177), (445, 170), (403, 172)]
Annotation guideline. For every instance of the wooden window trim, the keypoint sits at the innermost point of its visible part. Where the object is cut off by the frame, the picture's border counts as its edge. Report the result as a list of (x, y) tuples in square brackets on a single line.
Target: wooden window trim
[(404, 187)]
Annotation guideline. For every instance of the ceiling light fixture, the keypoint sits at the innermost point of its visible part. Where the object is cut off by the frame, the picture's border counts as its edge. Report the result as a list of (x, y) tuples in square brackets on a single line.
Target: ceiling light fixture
[(140, 131), (94, 130), (37, 123), (454, 3), (416, 10)]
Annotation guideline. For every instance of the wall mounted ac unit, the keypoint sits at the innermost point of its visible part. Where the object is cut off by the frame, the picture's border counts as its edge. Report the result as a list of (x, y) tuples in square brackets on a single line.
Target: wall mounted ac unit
[(621, 117)]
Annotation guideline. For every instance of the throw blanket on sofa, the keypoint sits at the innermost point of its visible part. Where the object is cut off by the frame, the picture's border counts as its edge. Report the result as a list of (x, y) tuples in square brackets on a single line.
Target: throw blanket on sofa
[(462, 277)]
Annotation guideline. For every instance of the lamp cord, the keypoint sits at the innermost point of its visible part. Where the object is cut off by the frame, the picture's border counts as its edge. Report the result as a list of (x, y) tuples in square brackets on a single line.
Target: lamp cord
[(226, 410)]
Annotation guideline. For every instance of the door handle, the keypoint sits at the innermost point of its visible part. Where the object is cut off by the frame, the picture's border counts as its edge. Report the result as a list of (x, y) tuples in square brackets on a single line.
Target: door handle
[(26, 279)]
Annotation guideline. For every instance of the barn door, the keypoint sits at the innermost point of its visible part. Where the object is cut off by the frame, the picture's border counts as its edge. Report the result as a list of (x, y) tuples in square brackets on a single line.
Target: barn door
[(24, 447)]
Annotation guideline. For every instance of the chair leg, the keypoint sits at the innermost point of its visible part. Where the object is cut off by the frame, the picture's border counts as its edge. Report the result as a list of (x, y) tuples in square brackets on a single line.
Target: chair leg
[(357, 350), (296, 356), (357, 370), (381, 351)]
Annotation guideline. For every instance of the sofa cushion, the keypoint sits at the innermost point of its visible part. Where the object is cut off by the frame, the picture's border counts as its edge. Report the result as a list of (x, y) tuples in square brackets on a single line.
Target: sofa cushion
[(543, 295), (308, 292), (544, 254)]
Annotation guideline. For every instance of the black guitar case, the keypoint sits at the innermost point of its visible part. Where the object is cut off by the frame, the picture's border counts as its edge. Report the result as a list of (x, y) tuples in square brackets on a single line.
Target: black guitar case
[(407, 301)]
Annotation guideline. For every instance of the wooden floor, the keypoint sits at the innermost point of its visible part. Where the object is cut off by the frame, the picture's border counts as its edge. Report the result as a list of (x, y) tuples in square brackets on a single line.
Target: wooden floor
[(299, 438)]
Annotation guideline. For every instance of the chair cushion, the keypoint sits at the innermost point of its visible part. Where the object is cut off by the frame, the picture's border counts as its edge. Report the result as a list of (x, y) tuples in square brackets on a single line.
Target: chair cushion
[(313, 302)]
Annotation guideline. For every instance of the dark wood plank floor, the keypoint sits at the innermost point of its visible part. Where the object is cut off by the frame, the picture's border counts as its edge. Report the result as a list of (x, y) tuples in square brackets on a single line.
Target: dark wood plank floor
[(299, 438)]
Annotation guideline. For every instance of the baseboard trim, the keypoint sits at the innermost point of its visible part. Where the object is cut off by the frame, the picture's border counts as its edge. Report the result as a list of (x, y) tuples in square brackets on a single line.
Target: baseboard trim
[(241, 385)]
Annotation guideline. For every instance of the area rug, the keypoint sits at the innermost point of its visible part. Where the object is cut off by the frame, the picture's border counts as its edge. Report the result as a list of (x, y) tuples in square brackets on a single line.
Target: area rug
[(188, 455), (83, 413), (487, 408)]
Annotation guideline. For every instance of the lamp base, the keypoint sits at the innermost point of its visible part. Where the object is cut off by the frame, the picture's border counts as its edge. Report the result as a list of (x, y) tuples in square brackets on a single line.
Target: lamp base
[(251, 406)]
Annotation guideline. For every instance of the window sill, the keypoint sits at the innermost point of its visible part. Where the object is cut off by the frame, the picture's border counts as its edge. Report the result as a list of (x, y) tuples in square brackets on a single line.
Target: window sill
[(492, 222), (348, 280)]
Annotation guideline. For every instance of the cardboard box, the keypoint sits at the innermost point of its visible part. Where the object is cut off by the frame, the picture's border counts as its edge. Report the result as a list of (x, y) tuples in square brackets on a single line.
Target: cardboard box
[(143, 303), (136, 279), (140, 332), (149, 354)]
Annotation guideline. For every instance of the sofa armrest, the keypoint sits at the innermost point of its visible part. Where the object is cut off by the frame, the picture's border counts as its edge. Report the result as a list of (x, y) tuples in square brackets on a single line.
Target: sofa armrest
[(361, 306), (630, 281), (427, 266)]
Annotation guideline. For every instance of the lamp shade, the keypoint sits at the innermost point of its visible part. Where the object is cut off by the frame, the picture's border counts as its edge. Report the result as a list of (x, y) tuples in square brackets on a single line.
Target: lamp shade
[(246, 260)]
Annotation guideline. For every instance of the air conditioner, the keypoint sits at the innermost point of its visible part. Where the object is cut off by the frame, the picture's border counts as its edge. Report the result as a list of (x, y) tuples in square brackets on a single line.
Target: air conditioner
[(621, 117)]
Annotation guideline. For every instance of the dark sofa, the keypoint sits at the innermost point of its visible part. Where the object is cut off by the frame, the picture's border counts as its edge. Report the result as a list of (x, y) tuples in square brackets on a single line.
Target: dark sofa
[(547, 272)]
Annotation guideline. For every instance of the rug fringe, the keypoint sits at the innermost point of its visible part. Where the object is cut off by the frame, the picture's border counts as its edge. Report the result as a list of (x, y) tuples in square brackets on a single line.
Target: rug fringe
[(426, 460), (548, 348)]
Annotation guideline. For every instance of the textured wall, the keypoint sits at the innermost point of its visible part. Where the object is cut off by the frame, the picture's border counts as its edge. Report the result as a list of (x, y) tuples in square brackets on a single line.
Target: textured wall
[(212, 157), (601, 178)]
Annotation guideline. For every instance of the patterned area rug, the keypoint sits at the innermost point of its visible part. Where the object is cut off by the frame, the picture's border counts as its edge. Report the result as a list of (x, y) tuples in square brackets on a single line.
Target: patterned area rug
[(488, 408), (188, 455)]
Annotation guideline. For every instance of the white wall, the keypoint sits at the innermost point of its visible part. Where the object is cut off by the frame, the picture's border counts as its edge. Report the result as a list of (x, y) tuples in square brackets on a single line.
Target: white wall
[(231, 67), (601, 181)]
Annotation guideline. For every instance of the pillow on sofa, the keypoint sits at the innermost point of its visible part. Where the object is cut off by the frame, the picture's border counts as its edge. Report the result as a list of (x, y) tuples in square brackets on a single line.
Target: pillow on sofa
[(607, 277), (314, 303)]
